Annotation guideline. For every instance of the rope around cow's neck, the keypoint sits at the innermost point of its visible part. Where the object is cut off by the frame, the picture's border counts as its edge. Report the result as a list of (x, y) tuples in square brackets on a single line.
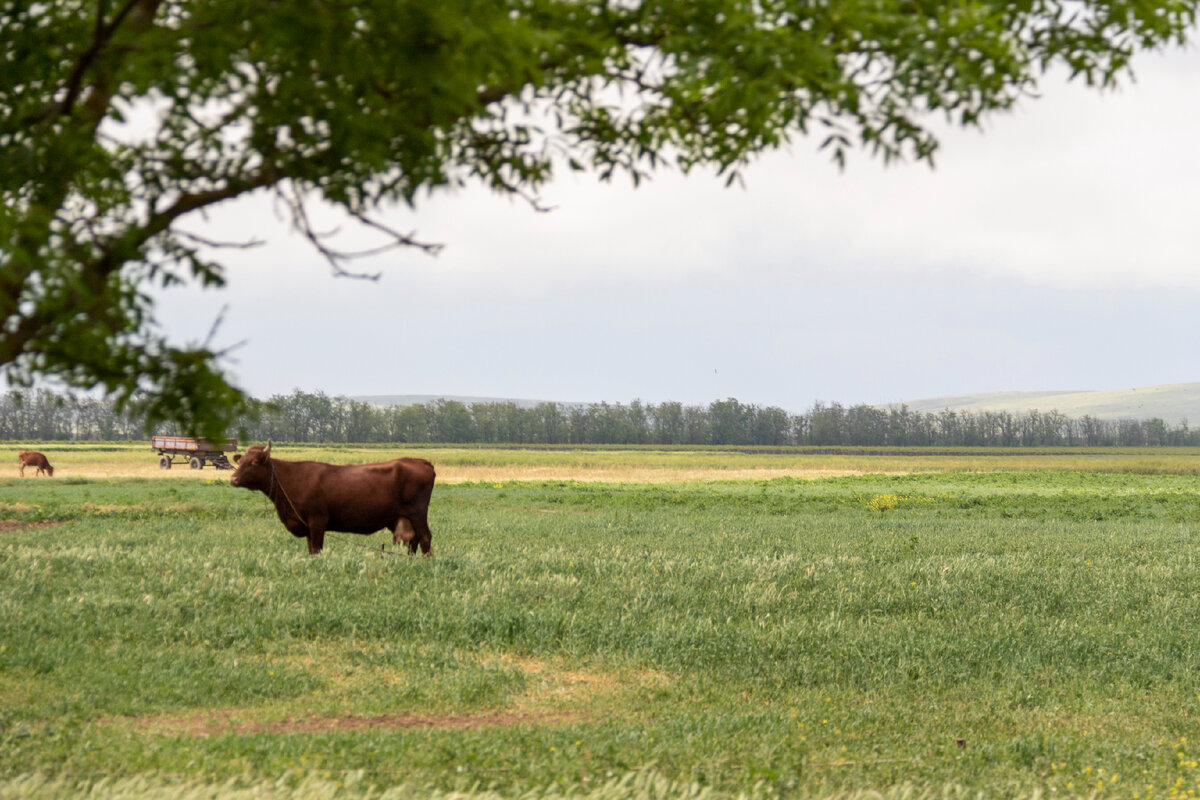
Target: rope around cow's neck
[(276, 482)]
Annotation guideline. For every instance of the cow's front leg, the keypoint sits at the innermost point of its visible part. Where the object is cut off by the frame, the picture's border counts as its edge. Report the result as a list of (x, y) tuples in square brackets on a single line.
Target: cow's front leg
[(316, 535)]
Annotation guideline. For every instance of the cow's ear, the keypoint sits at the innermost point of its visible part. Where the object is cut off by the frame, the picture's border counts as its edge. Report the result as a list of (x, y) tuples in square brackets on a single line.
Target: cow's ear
[(237, 458)]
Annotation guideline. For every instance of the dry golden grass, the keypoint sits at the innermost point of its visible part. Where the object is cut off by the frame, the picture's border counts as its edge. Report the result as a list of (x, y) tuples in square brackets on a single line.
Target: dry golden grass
[(464, 464), (458, 466), (629, 473), (451, 473), (555, 694), (552, 686)]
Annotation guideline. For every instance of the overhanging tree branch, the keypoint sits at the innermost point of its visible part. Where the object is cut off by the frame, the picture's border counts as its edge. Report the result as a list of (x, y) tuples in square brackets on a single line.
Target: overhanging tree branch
[(367, 104)]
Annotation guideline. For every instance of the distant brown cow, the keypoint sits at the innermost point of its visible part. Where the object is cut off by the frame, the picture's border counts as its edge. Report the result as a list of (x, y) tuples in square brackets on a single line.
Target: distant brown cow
[(31, 458), (311, 498)]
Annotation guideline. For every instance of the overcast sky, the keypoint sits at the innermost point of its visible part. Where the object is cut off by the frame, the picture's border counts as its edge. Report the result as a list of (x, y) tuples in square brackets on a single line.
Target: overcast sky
[(1057, 249)]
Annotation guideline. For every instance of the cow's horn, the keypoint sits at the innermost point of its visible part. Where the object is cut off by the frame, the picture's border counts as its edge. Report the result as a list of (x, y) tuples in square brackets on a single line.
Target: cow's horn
[(268, 450)]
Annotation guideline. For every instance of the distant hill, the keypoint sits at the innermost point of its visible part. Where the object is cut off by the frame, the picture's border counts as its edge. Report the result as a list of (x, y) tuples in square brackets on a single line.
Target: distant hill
[(1173, 403)]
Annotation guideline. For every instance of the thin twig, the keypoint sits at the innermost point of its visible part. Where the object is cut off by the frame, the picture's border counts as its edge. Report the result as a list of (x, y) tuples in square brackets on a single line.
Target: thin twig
[(401, 239), (293, 199), (192, 237)]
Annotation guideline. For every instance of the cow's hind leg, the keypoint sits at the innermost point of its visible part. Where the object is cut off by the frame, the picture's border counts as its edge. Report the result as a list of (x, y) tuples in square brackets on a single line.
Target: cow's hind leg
[(424, 537)]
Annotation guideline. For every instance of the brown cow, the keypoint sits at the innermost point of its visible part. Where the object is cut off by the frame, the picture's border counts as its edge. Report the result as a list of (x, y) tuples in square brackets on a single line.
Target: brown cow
[(32, 458), (311, 498)]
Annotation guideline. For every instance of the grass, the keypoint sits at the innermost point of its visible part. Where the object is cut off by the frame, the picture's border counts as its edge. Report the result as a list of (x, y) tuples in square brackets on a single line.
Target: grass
[(467, 463), (1011, 633)]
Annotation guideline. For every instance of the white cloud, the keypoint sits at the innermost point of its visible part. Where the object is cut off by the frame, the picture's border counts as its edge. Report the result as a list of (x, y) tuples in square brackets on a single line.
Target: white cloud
[(870, 284)]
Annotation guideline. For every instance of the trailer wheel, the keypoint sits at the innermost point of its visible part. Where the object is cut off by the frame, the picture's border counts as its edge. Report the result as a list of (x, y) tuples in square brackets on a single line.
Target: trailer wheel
[(196, 463), (164, 462)]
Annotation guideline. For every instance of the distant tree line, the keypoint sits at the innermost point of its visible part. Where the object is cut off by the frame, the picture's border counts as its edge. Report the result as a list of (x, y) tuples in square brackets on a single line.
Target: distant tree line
[(316, 417)]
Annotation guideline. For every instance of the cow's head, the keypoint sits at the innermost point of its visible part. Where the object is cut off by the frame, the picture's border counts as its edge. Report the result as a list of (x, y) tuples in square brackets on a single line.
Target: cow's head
[(253, 468)]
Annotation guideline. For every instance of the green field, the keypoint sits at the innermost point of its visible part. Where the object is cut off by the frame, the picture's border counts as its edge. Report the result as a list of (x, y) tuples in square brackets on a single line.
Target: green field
[(1018, 633)]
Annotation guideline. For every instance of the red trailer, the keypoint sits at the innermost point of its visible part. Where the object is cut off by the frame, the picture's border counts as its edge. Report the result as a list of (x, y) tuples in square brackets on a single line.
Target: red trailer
[(197, 452)]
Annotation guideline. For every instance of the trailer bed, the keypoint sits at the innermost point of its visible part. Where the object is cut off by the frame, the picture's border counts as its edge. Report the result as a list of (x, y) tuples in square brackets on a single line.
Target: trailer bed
[(198, 453)]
